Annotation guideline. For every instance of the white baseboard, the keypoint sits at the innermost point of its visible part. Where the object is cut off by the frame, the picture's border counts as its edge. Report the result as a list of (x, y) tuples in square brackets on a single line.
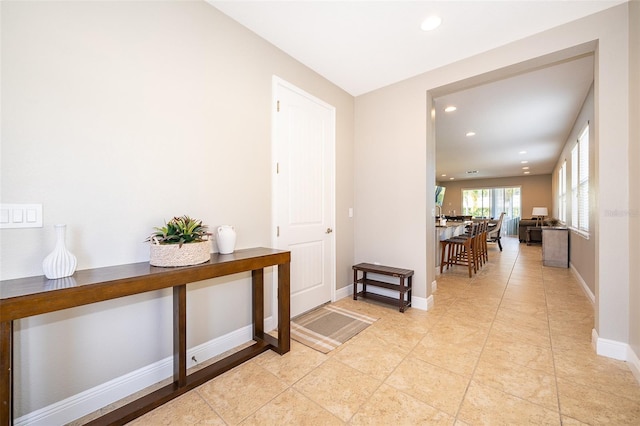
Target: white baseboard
[(421, 303), (585, 288), (434, 286), (609, 348), (93, 399), (343, 292), (634, 363), (270, 324)]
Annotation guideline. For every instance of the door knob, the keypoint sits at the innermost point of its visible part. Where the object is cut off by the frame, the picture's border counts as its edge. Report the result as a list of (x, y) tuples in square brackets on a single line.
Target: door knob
[(328, 231)]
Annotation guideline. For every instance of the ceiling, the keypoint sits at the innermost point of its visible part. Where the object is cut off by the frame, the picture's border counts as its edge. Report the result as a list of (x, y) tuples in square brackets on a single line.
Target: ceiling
[(527, 117), (364, 45)]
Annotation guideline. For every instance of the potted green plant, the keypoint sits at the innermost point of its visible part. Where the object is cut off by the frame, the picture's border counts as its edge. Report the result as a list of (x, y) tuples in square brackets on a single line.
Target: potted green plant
[(183, 241)]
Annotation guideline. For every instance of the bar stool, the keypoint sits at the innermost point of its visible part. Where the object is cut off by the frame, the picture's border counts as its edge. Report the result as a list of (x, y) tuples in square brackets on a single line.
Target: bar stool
[(461, 250), (480, 249)]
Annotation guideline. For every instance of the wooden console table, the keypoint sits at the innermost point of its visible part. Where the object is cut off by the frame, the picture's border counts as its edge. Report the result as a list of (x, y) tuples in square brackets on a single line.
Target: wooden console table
[(25, 297), (402, 288)]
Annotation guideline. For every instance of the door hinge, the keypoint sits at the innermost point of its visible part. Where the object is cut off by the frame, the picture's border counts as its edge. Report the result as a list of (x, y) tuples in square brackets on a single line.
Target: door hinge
[(277, 231), (277, 168), (277, 106)]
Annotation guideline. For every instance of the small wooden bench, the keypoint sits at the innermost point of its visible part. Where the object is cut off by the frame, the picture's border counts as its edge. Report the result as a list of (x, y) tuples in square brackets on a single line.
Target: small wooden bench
[(403, 287)]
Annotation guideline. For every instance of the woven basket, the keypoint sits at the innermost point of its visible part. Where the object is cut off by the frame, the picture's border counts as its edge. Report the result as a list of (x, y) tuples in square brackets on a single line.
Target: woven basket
[(172, 255)]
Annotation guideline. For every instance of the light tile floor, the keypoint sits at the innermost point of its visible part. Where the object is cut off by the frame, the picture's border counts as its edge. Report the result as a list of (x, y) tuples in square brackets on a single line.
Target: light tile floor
[(509, 346)]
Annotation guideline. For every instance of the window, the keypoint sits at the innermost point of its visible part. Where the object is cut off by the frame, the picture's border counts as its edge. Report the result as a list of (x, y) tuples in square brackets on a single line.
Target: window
[(580, 183), (490, 202), (562, 193)]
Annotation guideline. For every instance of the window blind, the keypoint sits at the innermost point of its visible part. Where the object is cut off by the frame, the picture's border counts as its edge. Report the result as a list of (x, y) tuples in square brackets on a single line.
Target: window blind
[(562, 192), (580, 182), (583, 184)]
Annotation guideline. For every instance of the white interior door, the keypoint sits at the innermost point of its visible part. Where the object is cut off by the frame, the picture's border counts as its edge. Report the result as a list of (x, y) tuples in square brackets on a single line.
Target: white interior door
[(304, 144)]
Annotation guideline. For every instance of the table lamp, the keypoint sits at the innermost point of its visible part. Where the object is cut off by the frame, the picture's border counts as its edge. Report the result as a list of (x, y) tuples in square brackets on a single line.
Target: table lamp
[(539, 212)]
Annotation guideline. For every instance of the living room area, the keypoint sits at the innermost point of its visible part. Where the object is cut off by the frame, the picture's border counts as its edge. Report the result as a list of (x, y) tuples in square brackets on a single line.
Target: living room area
[(531, 200)]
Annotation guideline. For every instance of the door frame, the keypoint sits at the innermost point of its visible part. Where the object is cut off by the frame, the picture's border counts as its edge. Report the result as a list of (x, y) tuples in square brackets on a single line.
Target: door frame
[(278, 82)]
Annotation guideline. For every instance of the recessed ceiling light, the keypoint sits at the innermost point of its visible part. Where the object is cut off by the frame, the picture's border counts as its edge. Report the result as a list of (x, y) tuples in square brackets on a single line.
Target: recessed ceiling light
[(524, 162), (431, 23), (525, 168), (450, 109), (526, 173), (451, 178), (443, 175), (471, 133), (522, 152)]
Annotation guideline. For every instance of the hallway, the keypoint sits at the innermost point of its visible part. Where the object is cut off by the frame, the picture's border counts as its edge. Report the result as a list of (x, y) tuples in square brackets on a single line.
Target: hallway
[(509, 346)]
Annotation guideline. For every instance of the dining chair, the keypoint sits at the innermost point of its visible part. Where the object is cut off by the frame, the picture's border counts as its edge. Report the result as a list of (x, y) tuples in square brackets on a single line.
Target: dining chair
[(493, 235)]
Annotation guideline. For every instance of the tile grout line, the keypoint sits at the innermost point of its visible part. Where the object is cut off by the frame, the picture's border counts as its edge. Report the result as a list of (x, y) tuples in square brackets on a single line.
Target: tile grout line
[(553, 353), (289, 387), (383, 381), (197, 391), (475, 367)]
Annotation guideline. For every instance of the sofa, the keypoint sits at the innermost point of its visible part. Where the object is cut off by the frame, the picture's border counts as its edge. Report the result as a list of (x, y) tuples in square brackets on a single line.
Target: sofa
[(522, 231)]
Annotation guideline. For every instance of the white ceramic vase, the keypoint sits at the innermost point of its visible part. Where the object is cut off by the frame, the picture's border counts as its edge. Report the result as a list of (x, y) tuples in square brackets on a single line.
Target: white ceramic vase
[(60, 262), (226, 239)]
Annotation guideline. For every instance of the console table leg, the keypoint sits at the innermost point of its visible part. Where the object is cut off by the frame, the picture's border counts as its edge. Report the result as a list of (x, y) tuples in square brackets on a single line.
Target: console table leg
[(180, 335), (257, 302), (284, 308), (6, 373), (355, 284)]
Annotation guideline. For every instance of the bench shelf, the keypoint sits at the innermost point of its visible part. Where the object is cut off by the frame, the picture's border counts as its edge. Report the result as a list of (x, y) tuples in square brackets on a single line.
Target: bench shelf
[(403, 287)]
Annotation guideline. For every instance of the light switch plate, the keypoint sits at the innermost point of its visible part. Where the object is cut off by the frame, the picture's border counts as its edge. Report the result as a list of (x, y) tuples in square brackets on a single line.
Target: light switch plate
[(20, 216)]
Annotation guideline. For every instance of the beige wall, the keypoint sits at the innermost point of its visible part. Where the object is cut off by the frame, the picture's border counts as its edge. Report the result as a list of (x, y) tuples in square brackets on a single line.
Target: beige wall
[(395, 161), (117, 116), (634, 179), (582, 249), (535, 191)]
